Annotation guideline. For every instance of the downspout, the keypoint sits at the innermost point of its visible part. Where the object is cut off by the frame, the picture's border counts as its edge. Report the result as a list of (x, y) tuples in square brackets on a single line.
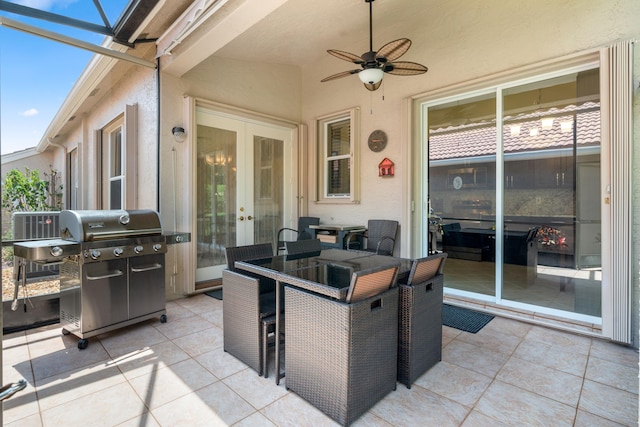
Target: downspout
[(55, 144), (158, 134), (64, 160)]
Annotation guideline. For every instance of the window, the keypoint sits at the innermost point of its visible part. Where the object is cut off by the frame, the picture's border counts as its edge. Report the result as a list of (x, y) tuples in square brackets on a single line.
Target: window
[(113, 171), (337, 178), (115, 176), (117, 165)]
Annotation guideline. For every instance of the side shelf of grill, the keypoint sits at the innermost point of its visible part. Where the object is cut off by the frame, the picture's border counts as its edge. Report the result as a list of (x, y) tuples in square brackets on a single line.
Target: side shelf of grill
[(36, 225)]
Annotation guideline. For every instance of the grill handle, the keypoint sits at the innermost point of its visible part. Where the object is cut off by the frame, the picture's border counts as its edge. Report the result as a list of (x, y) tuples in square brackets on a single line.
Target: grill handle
[(122, 233), (148, 268), (114, 273)]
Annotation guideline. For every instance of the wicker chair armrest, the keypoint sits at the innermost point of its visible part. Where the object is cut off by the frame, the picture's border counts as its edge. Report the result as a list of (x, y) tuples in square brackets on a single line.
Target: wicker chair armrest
[(354, 234), (283, 229), (382, 239)]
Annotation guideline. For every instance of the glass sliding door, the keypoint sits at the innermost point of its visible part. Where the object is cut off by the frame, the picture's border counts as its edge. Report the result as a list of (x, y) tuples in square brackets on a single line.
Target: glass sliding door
[(462, 189), (515, 187), (551, 137)]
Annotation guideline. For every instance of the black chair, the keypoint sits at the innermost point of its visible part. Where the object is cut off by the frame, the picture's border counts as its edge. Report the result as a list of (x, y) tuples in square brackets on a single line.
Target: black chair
[(248, 301), (380, 237), (303, 232), (301, 247)]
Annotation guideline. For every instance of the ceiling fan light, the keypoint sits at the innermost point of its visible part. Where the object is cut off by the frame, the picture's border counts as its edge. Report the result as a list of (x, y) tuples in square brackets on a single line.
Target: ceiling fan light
[(371, 75), (373, 87)]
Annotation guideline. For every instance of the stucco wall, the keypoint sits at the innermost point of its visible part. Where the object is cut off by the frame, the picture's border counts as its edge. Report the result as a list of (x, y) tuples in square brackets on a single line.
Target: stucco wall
[(138, 87)]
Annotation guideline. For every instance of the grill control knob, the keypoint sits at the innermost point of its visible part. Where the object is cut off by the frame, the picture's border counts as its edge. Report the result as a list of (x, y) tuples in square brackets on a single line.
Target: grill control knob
[(124, 219), (56, 251), (157, 247), (95, 254), (118, 251), (178, 239), (138, 249)]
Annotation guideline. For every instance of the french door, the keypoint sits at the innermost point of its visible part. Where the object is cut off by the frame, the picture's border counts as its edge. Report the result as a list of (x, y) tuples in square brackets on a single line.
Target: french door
[(243, 190)]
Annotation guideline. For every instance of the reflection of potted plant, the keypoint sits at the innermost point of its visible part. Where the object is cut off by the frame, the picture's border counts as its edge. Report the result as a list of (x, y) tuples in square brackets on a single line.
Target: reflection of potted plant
[(551, 238)]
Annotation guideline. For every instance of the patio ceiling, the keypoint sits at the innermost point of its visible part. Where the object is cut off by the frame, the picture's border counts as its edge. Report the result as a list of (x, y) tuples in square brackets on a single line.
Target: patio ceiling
[(299, 32), (291, 32)]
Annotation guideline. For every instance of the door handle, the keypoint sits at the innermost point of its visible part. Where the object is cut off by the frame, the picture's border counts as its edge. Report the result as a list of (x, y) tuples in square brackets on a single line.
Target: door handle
[(249, 217)]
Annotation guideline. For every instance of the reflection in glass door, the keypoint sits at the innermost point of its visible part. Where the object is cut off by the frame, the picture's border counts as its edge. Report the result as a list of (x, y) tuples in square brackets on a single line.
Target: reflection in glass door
[(216, 196), (241, 196), (462, 190), (552, 245), (520, 214)]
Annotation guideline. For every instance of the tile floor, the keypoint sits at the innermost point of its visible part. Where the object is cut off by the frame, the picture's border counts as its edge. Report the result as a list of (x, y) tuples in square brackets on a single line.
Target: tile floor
[(176, 374)]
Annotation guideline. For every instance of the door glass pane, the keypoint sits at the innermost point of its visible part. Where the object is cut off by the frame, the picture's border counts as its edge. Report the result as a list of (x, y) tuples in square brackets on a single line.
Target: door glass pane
[(216, 194), (552, 249), (268, 188), (462, 190)]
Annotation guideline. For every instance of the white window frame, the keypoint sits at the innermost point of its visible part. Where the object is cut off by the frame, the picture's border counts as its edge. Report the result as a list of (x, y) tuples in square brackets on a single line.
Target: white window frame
[(110, 139), (126, 125), (323, 162)]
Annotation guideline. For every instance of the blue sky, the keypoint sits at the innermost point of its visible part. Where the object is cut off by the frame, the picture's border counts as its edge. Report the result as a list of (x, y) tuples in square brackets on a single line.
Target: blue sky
[(36, 74)]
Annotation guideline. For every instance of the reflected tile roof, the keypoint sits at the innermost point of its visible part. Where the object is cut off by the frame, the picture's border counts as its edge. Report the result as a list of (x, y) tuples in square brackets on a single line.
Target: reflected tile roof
[(479, 139)]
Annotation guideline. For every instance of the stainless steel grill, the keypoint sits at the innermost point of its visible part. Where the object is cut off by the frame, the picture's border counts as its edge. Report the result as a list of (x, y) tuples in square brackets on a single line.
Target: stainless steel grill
[(112, 270)]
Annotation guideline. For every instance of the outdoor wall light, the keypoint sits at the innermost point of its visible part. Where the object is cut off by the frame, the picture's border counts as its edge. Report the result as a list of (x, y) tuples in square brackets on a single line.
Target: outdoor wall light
[(179, 134)]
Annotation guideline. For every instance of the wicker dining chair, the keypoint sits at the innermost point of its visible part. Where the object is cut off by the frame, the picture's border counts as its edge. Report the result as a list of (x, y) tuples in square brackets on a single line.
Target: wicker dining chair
[(300, 247), (420, 318), (380, 237), (247, 301), (342, 356), (247, 252), (302, 232)]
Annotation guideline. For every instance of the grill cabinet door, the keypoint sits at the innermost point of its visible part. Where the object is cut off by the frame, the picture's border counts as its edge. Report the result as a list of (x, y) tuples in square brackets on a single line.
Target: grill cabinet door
[(146, 285), (104, 294)]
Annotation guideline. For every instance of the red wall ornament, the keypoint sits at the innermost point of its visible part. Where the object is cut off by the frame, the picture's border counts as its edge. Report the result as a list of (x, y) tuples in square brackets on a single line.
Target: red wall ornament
[(386, 168)]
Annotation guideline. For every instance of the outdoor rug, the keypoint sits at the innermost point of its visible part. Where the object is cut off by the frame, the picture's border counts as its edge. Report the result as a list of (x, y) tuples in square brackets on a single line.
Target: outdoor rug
[(464, 319), (217, 294)]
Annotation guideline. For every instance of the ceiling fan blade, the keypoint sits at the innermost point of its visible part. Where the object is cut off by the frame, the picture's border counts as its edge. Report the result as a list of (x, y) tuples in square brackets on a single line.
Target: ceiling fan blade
[(374, 86), (393, 50), (340, 75), (405, 68), (346, 56)]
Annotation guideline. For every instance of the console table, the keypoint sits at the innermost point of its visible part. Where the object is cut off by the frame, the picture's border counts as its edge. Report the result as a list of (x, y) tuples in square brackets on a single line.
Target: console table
[(333, 236)]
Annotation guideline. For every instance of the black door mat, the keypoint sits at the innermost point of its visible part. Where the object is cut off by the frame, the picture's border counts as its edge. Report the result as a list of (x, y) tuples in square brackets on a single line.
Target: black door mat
[(464, 319), (217, 294)]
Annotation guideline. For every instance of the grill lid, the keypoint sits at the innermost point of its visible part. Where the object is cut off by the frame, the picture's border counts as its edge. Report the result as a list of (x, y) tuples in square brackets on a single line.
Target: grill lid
[(91, 225)]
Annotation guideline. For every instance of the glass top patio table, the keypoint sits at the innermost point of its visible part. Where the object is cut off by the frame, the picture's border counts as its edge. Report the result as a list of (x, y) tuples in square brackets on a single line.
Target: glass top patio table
[(327, 273)]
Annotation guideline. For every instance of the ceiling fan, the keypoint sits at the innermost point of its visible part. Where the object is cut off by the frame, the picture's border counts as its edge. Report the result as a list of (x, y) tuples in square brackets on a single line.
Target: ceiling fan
[(375, 64)]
